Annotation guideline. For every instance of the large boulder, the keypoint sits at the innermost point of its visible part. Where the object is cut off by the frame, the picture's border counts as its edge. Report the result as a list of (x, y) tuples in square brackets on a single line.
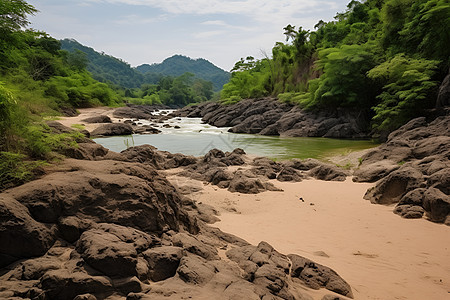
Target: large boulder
[(391, 188), (112, 129), (129, 194), (20, 235), (98, 119)]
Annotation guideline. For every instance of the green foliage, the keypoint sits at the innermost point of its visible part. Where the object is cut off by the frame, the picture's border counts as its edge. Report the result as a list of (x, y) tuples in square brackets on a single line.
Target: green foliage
[(343, 82), (15, 170), (407, 90), (7, 104), (382, 57), (13, 15)]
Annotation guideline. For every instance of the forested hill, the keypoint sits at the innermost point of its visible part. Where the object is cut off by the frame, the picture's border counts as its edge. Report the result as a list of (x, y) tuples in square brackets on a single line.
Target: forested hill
[(106, 68), (179, 64)]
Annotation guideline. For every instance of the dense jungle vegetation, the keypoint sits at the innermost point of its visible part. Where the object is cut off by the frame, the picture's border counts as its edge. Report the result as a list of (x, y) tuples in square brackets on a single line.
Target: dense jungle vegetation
[(385, 58), (39, 81)]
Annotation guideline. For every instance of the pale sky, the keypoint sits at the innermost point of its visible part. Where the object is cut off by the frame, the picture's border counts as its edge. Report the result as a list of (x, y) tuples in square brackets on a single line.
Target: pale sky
[(148, 31)]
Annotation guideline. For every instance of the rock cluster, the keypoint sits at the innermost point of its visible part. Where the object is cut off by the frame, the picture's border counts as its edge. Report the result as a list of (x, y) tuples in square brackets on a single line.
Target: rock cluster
[(268, 116), (110, 226), (412, 169), (250, 176)]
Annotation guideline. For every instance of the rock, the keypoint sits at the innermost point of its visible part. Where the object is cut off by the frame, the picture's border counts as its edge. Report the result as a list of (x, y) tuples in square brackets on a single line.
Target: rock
[(328, 173), (245, 183), (134, 112), (409, 211), (128, 285), (98, 119), (62, 285), (70, 228), (440, 180), (112, 129), (192, 244), (21, 236), (129, 194), (436, 205), (85, 297), (391, 188), (107, 253), (316, 276), (414, 197), (163, 261), (195, 270), (289, 174), (374, 171), (87, 151), (443, 98)]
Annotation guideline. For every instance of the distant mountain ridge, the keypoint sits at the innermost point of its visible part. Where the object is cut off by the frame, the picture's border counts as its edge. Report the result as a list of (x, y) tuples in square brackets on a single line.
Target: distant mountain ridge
[(106, 68), (180, 64)]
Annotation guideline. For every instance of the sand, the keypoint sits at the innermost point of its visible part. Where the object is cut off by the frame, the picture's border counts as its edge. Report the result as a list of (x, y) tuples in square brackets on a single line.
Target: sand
[(87, 113), (381, 255)]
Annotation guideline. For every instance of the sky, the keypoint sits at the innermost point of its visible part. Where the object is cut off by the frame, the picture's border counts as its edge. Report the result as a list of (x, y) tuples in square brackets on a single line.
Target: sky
[(148, 31)]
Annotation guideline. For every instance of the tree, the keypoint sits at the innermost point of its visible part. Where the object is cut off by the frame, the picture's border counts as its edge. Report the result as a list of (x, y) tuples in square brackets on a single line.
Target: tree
[(289, 32), (13, 15)]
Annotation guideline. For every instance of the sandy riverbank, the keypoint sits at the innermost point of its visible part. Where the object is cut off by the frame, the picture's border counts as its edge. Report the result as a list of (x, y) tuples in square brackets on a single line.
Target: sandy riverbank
[(381, 255)]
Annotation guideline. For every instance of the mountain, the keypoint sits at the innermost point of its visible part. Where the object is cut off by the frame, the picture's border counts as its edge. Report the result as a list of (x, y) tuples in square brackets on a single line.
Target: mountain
[(106, 68), (179, 64)]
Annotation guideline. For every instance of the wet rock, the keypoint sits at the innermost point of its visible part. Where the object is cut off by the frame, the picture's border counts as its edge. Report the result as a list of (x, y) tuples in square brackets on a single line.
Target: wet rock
[(98, 119)]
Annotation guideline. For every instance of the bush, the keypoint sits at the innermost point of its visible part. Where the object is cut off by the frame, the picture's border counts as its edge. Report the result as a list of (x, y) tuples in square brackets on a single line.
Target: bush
[(15, 170)]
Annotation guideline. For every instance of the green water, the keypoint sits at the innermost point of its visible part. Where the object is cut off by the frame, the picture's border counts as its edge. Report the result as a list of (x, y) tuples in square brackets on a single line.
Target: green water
[(194, 138)]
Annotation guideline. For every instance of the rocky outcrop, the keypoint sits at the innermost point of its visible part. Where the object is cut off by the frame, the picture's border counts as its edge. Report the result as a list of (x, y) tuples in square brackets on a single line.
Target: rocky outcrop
[(112, 129), (113, 229), (412, 170), (269, 116)]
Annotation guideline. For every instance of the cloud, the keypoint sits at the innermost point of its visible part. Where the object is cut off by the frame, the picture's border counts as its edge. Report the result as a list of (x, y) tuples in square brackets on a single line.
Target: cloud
[(208, 34), (262, 10), (139, 20), (215, 22)]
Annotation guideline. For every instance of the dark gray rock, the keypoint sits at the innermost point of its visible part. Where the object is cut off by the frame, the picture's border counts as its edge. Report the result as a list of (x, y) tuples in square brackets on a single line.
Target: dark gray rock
[(112, 130), (98, 119)]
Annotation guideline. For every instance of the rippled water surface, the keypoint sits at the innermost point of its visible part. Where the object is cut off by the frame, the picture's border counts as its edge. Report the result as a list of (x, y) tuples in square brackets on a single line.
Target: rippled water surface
[(195, 138)]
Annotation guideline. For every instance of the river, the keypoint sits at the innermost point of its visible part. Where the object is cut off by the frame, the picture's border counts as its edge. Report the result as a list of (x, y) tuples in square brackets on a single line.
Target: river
[(195, 138)]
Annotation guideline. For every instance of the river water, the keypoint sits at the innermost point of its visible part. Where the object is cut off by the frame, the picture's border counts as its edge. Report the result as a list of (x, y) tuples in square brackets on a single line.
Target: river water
[(195, 138)]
